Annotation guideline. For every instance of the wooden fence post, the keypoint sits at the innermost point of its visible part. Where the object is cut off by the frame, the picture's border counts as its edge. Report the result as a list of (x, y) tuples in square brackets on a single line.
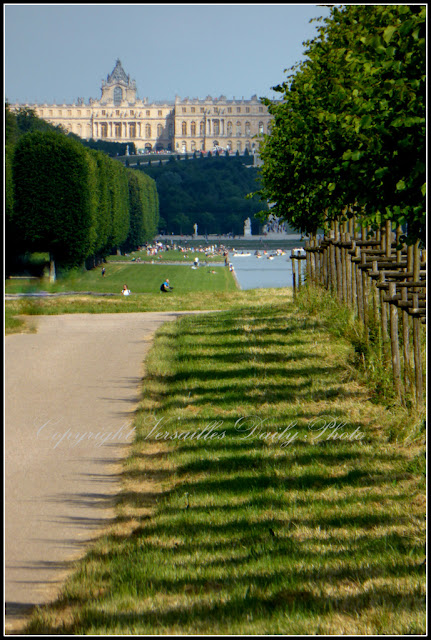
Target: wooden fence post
[(395, 351), (416, 329)]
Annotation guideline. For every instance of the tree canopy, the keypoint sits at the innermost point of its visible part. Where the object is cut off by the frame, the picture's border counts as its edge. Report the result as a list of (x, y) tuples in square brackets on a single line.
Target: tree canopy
[(210, 192), (349, 133)]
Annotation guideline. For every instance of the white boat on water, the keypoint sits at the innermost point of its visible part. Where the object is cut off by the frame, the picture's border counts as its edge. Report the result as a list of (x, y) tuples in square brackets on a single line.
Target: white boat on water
[(241, 255)]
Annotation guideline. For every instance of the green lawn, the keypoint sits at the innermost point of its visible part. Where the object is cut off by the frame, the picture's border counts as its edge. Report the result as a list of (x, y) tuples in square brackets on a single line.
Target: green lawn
[(173, 255), (303, 514), (139, 277)]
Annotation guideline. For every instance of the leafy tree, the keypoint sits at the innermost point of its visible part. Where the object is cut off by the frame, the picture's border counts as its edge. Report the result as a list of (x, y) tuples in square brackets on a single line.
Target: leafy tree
[(101, 192), (143, 210), (349, 133), (112, 149), (53, 207), (205, 191), (119, 204)]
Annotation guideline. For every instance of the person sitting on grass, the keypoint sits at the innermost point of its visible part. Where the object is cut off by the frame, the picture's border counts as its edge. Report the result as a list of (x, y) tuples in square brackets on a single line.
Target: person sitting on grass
[(125, 291), (166, 286)]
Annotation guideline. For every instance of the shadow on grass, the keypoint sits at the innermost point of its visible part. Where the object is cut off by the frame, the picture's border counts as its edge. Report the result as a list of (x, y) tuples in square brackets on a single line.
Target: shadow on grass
[(301, 532)]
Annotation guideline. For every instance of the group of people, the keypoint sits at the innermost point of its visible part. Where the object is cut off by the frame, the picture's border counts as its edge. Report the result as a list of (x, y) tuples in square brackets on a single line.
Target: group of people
[(164, 287)]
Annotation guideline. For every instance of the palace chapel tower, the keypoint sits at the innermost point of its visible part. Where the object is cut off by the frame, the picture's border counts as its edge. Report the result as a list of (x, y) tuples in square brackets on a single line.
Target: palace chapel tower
[(118, 89)]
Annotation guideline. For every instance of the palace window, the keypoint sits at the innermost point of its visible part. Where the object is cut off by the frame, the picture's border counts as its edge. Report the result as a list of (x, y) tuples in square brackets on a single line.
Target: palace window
[(229, 109), (216, 130), (118, 96), (159, 113), (132, 130), (103, 113), (193, 110), (261, 128), (184, 128), (159, 130), (247, 109), (69, 112), (184, 110), (147, 113), (193, 128), (117, 127), (260, 109), (171, 129), (229, 128), (147, 131), (79, 112), (238, 109), (238, 128), (247, 129), (103, 130), (201, 128)]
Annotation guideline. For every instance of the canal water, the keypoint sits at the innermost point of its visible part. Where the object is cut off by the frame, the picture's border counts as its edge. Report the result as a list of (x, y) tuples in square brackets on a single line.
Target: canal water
[(257, 273)]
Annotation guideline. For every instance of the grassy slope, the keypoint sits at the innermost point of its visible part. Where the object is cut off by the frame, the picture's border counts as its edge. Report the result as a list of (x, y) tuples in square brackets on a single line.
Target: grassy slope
[(140, 278), (236, 535)]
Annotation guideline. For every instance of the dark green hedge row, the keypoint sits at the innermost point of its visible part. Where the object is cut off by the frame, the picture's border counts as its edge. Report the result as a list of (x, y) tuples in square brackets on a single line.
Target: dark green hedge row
[(74, 202)]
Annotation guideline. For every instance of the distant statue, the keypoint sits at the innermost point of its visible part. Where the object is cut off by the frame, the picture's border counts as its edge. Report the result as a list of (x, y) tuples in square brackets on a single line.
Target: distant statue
[(247, 227), (195, 227)]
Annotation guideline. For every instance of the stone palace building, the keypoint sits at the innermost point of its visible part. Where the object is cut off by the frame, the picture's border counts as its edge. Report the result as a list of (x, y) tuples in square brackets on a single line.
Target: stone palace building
[(183, 126)]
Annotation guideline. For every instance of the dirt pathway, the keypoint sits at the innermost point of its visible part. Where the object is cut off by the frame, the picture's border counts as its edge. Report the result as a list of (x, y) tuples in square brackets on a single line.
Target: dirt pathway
[(70, 390)]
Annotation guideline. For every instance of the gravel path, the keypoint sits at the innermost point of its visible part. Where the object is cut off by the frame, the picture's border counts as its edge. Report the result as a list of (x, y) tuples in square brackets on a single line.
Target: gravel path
[(71, 390)]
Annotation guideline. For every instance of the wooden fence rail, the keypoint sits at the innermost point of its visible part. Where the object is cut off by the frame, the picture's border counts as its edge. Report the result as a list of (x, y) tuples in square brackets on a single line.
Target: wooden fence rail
[(383, 282)]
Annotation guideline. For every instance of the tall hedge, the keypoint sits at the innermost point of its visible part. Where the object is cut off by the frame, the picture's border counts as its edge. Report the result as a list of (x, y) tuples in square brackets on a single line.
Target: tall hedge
[(119, 204), (71, 201), (53, 206)]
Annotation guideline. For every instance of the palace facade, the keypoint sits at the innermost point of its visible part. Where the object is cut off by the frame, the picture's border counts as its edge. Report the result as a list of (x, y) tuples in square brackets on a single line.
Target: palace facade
[(183, 126)]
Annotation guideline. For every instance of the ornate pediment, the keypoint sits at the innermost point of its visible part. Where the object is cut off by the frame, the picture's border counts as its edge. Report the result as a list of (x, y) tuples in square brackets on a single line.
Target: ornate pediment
[(118, 75), (118, 88)]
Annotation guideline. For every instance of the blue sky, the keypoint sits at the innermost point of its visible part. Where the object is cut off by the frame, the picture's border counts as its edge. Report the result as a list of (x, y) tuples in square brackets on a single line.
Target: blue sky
[(62, 52)]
